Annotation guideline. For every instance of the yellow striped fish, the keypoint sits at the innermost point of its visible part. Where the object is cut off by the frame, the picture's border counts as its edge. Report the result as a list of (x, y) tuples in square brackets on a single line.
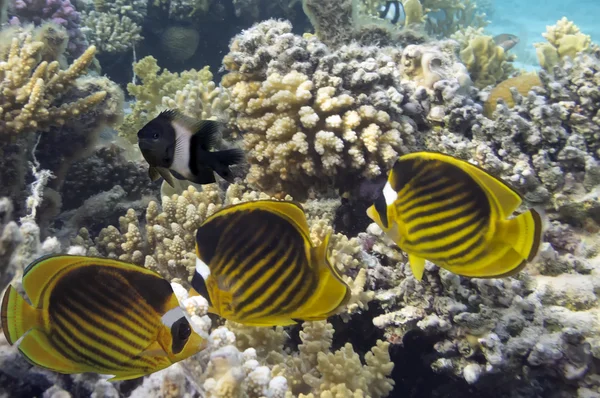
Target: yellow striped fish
[(97, 315), (256, 265), (454, 214)]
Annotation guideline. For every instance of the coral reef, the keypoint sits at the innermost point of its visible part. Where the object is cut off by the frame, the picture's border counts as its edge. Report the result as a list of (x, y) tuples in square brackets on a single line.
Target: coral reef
[(33, 98), (563, 39), (61, 12), (110, 33), (63, 104), (312, 116), (487, 62)]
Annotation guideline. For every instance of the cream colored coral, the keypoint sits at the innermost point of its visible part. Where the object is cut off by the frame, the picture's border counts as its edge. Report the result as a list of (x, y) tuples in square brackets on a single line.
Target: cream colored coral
[(341, 372), (296, 135), (486, 61), (564, 39), (157, 88), (30, 91), (111, 33)]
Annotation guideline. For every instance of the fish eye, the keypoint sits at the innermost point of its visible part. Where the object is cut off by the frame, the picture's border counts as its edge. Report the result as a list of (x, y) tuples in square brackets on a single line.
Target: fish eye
[(180, 332), (184, 331), (155, 136)]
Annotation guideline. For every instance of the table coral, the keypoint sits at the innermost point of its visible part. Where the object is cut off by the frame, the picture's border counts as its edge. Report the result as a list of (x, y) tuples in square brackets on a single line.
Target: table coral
[(312, 117)]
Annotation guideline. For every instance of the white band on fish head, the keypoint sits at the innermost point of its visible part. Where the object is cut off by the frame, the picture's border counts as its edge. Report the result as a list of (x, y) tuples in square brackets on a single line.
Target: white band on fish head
[(389, 194), (172, 316), (202, 268)]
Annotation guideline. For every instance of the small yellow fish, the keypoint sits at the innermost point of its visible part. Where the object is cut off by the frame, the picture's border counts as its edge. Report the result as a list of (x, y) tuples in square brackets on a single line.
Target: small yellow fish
[(97, 315), (454, 214), (256, 266)]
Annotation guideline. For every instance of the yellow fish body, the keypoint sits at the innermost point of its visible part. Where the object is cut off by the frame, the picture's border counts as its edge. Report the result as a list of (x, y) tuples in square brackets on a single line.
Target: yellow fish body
[(97, 315), (454, 214), (256, 266)]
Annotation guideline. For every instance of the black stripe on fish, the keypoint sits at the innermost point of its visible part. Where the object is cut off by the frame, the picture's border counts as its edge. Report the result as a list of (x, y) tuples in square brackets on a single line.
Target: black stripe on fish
[(286, 280), (248, 280), (430, 198), (449, 232), (240, 248), (443, 206), (90, 327), (459, 240), (252, 247), (280, 262), (87, 300), (441, 222), (131, 312), (85, 352)]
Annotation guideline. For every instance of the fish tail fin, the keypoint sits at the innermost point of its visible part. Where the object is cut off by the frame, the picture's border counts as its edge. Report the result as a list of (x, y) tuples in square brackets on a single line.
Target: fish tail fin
[(523, 233), (331, 293), (18, 316), (517, 242), (225, 158)]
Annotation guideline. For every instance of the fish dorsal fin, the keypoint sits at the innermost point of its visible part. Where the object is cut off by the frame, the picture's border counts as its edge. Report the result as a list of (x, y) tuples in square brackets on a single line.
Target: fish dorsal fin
[(292, 211), (506, 198), (417, 266), (44, 272), (204, 132)]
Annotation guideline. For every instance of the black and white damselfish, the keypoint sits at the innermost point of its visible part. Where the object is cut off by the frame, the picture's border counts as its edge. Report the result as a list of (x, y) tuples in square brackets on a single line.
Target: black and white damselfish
[(175, 145)]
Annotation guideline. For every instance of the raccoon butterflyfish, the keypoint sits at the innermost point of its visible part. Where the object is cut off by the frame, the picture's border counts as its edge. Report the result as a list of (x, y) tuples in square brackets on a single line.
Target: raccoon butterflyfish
[(97, 315), (454, 214), (176, 145), (256, 266)]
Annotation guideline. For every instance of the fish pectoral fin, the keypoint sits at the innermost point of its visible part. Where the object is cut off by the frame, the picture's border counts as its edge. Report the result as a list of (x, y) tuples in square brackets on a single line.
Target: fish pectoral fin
[(153, 350), (417, 265), (37, 349), (153, 174), (128, 376)]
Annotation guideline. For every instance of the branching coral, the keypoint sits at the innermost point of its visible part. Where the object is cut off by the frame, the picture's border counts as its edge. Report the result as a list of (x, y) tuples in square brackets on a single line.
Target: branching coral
[(313, 118), (111, 33), (32, 98), (192, 90), (324, 373)]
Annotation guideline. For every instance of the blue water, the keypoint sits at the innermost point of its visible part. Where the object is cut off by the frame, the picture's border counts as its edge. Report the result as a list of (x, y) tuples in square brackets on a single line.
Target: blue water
[(528, 20)]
